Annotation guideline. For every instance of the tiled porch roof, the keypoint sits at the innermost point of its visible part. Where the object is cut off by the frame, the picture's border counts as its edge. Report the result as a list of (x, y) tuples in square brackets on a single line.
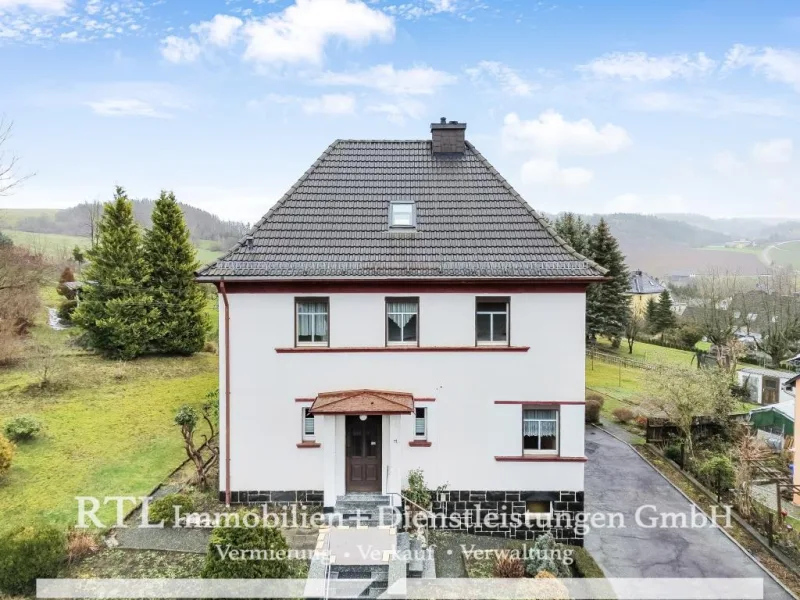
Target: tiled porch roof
[(363, 402)]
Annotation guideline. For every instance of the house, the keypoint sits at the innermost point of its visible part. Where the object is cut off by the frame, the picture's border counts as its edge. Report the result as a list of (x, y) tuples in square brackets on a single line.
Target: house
[(773, 423), (793, 386), (642, 289), (402, 307), (767, 386)]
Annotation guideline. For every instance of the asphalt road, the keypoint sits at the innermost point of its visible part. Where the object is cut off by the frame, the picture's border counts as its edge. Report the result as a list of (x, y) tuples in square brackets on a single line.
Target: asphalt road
[(619, 481)]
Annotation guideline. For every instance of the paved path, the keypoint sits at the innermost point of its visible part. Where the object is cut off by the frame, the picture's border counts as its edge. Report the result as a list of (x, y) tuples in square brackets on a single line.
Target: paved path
[(619, 481)]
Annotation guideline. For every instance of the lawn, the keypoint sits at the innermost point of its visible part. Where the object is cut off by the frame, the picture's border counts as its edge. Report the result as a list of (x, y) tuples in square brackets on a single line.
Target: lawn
[(10, 217), (786, 254), (650, 353), (108, 427)]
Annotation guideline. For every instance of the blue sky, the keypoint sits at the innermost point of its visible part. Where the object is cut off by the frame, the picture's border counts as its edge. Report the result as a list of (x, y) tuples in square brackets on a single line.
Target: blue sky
[(584, 106)]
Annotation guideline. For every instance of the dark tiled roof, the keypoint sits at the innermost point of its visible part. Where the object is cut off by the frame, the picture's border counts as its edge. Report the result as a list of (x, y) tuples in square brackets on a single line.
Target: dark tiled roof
[(642, 283), (334, 222)]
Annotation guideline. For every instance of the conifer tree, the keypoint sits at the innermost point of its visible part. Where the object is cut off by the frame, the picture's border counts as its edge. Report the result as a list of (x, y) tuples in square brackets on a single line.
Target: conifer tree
[(116, 311), (665, 319), (607, 304), (172, 261), (575, 231), (652, 314)]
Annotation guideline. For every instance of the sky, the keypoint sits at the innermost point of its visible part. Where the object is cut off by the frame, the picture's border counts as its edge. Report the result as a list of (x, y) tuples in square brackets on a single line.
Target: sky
[(593, 107)]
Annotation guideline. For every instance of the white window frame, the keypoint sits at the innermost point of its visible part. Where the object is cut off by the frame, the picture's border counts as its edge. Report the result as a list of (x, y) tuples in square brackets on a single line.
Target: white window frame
[(424, 435), (327, 313), (413, 219), (498, 300), (539, 514), (537, 452), (392, 300), (304, 417)]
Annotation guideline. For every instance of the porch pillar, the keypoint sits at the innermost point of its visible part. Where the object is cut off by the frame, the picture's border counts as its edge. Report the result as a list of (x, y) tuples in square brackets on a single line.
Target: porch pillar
[(329, 461), (394, 483)]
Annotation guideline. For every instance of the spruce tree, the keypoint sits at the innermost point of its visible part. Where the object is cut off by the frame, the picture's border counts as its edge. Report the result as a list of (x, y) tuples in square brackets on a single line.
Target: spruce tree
[(652, 314), (116, 311), (665, 319), (607, 304), (172, 261), (575, 231)]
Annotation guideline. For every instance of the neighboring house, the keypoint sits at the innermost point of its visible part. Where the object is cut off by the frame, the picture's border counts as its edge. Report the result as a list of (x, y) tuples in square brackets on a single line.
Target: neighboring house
[(767, 386), (642, 289), (774, 423), (681, 278), (402, 307), (793, 386), (740, 244)]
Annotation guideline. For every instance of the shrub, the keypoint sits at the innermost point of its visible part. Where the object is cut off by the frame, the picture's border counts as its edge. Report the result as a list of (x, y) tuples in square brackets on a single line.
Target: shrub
[(545, 555), (418, 491), (28, 553), (81, 543), (163, 509), (622, 414), (22, 428), (584, 565), (6, 455), (593, 406), (551, 587), (718, 472), (66, 309), (259, 538), (210, 347), (673, 452), (508, 566), (641, 421)]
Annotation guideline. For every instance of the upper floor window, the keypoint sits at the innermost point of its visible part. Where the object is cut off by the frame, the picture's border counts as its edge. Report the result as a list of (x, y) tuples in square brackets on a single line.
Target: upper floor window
[(540, 431), (402, 320), (308, 424), (491, 320), (312, 321), (421, 423), (402, 214)]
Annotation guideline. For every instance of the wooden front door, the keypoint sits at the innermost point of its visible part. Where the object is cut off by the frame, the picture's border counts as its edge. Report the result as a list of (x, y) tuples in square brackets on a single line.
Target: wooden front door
[(363, 454), (771, 389)]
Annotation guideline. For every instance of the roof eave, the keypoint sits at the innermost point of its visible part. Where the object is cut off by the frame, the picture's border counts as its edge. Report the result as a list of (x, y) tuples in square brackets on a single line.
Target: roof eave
[(250, 278)]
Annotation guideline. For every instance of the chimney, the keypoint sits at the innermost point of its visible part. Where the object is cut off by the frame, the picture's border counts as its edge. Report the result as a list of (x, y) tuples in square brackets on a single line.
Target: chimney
[(448, 138)]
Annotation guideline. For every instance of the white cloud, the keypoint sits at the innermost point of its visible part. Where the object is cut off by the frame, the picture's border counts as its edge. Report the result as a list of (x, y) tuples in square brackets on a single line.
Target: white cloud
[(51, 6), (726, 163), (125, 107), (134, 99), (399, 111), (327, 104), (542, 171), (385, 78), (302, 31), (642, 67), (93, 6), (177, 50), (506, 78), (624, 203), (551, 135), (772, 152), (710, 104), (219, 31), (774, 63)]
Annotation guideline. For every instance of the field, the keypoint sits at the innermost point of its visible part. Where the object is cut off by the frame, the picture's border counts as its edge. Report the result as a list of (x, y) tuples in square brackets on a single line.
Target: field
[(9, 217), (787, 253), (108, 426), (60, 247)]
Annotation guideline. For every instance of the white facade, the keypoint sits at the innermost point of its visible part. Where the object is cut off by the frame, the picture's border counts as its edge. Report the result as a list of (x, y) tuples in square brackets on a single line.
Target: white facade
[(477, 396), (754, 378)]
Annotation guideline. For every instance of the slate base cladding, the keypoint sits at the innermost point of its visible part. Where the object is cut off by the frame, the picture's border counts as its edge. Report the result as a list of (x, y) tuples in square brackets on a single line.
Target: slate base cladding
[(565, 508), (273, 497)]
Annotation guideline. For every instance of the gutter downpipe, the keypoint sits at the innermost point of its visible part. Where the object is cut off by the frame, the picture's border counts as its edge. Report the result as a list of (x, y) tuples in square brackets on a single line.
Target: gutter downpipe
[(227, 394)]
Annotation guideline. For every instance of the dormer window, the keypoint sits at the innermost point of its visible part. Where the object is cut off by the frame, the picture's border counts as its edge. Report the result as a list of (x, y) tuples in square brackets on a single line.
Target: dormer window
[(402, 215)]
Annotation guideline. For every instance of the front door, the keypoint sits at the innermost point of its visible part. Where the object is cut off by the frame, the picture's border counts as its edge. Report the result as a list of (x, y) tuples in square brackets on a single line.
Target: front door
[(363, 454), (770, 391)]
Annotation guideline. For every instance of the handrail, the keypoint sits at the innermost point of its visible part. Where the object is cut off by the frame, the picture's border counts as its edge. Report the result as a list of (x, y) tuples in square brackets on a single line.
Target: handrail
[(327, 581), (412, 503)]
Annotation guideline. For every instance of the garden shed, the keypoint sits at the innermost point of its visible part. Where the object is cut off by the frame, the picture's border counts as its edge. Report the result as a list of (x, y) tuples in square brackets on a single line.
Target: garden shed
[(775, 418), (766, 385)]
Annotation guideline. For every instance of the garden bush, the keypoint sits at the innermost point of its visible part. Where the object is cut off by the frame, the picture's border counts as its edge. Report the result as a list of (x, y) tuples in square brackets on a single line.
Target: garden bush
[(22, 428), (546, 555), (28, 553), (717, 472), (594, 403), (269, 542), (622, 414), (81, 543), (508, 566), (66, 309), (673, 452), (163, 509), (584, 565), (417, 490), (552, 588), (6, 455)]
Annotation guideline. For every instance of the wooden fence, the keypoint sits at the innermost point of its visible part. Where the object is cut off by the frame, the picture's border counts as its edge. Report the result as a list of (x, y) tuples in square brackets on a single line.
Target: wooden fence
[(613, 359)]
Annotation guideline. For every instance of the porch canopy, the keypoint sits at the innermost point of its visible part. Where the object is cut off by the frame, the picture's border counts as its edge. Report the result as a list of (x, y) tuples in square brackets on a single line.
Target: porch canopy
[(363, 402)]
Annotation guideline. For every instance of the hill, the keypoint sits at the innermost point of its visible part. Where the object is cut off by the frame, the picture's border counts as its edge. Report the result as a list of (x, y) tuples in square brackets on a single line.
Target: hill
[(74, 221)]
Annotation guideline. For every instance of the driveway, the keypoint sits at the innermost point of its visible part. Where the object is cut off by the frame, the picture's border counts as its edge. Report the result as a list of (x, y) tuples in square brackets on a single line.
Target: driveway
[(619, 481)]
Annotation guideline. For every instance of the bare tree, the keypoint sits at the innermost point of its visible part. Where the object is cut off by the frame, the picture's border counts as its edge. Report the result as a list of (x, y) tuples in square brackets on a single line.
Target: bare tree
[(9, 178), (632, 329), (94, 212), (778, 311), (715, 315)]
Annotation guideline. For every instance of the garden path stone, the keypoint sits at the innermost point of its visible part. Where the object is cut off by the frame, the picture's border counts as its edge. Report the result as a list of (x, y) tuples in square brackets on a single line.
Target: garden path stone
[(618, 480)]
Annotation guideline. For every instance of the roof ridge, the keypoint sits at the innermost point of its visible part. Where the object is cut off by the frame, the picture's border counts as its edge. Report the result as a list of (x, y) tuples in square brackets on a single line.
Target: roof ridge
[(539, 218), (275, 207)]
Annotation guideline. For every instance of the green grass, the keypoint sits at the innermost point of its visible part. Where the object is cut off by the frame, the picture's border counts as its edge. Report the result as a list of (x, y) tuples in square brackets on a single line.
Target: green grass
[(108, 428), (786, 254), (747, 250), (10, 217), (649, 352)]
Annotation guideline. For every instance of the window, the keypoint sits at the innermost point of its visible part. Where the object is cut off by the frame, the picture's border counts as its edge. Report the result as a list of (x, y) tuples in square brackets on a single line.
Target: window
[(421, 423), (308, 424), (539, 431), (491, 321), (312, 321), (402, 214), (538, 507), (402, 320)]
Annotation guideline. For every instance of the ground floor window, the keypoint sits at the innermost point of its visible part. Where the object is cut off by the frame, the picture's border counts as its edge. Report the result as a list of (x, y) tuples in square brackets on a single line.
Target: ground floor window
[(421, 423), (308, 424), (540, 430)]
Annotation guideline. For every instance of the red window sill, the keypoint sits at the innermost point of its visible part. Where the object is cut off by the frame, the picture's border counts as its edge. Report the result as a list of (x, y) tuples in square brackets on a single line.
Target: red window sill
[(309, 445), (540, 458), (420, 444), (305, 349)]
